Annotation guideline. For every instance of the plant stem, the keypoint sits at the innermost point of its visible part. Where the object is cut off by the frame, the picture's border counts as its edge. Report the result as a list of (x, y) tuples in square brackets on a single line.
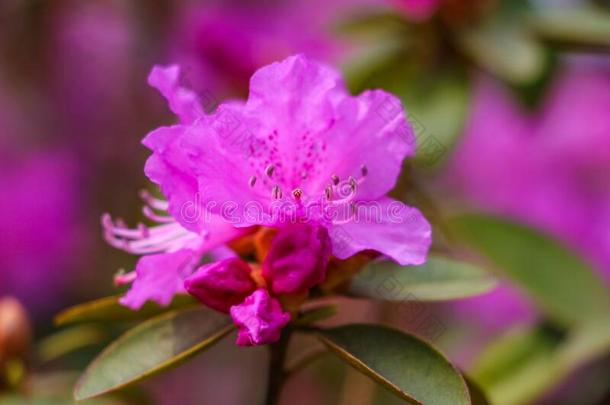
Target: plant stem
[(276, 373)]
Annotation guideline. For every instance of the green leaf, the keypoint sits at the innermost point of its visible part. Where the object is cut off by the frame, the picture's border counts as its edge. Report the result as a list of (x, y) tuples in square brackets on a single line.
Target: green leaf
[(69, 340), (406, 365), (151, 347), (477, 396), (108, 309), (315, 315), (582, 27), (587, 342), (518, 367), (506, 50), (562, 284), (439, 279), (437, 105), (523, 364)]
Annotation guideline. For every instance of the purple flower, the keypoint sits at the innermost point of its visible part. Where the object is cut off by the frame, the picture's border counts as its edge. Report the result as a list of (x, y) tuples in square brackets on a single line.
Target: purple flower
[(222, 284), (221, 43), (297, 259), (260, 319), (39, 228), (548, 169), (302, 156), (301, 148), (174, 247), (39, 213)]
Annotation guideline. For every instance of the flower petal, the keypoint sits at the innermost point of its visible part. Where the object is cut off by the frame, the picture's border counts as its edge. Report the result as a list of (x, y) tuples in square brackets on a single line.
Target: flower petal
[(371, 130), (299, 127), (159, 278), (169, 168), (386, 226), (260, 319), (183, 102)]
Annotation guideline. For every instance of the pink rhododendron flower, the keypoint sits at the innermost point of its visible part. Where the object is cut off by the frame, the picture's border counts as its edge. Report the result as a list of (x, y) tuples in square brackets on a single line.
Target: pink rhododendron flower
[(300, 155), (300, 148), (260, 319), (39, 213)]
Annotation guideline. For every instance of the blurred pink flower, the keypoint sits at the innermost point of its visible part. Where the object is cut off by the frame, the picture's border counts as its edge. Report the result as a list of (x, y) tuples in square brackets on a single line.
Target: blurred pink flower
[(91, 60), (39, 229), (259, 318), (301, 155), (548, 169), (221, 43)]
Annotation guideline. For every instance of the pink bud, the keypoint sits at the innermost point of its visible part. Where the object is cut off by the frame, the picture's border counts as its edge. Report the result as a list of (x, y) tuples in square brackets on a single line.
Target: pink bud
[(297, 259), (222, 284), (259, 318)]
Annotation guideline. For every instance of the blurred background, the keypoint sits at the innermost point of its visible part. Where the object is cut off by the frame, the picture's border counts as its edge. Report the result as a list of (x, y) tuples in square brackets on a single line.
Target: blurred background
[(510, 102)]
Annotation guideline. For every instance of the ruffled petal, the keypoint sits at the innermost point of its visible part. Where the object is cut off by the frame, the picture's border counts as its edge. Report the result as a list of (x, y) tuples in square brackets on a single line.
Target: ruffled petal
[(260, 319), (183, 102), (318, 129), (299, 128), (169, 168), (386, 226), (159, 277), (372, 133), (222, 284)]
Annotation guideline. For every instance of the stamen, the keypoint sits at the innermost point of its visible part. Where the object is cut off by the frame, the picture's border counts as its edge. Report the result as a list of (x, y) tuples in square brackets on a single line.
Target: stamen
[(335, 179), (269, 170), (329, 192), (252, 181), (276, 192), (150, 214), (364, 170), (152, 201), (122, 278), (353, 183), (143, 230)]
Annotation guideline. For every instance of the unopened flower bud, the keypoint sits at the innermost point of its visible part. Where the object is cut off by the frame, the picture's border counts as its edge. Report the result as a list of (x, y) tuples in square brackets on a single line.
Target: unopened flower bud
[(297, 259), (222, 284)]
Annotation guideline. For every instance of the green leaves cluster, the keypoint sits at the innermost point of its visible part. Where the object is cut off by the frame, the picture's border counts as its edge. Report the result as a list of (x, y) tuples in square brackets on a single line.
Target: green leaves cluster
[(522, 365), (403, 363)]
